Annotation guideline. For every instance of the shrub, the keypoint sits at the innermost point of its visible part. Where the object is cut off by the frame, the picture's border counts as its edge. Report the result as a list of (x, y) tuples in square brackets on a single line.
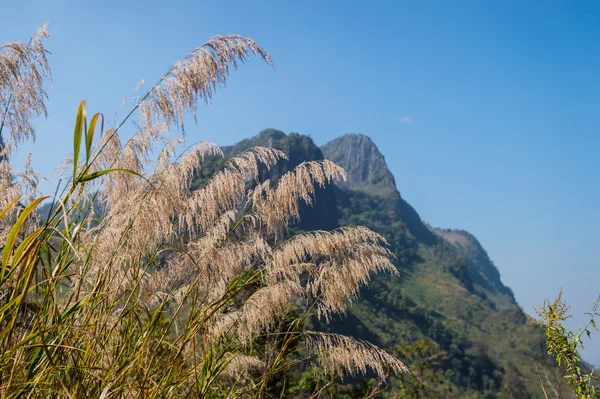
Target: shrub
[(563, 345)]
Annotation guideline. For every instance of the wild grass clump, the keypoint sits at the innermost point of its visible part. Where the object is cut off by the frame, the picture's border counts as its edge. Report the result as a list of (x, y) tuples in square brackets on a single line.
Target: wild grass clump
[(129, 284)]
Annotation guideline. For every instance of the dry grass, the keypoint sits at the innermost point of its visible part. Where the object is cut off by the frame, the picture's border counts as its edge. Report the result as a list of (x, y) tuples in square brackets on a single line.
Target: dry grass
[(164, 292)]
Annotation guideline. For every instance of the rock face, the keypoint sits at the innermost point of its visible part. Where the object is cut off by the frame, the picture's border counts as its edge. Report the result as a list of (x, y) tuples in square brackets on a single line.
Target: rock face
[(368, 173), (363, 163)]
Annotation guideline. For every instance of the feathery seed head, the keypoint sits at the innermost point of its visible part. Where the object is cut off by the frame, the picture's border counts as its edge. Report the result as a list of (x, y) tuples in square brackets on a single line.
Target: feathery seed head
[(339, 354), (23, 72)]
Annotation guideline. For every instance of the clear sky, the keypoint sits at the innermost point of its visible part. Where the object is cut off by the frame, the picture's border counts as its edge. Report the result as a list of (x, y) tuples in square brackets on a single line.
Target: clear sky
[(488, 112)]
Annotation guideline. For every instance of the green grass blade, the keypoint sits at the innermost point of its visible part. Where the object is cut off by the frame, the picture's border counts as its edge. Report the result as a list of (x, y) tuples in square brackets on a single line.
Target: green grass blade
[(79, 126), (89, 136), (95, 175), (14, 231)]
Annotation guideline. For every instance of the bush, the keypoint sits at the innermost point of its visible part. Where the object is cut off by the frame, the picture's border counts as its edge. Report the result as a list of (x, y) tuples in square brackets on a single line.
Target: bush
[(563, 345)]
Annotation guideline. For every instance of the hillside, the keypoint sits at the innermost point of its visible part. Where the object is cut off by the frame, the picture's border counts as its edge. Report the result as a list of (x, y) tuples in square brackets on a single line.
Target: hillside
[(449, 290), (449, 296)]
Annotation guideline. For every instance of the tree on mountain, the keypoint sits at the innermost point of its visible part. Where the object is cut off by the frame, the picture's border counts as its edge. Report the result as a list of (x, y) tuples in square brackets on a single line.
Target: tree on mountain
[(426, 378)]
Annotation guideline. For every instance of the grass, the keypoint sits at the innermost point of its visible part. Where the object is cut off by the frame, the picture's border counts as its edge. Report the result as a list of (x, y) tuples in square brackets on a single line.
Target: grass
[(130, 284)]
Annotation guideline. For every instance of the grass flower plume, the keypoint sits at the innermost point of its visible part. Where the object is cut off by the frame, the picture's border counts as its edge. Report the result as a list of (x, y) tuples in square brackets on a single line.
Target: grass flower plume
[(131, 284)]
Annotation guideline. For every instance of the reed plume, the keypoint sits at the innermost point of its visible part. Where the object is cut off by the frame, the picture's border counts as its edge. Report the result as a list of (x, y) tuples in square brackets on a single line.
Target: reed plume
[(24, 70), (346, 355), (196, 77), (135, 285)]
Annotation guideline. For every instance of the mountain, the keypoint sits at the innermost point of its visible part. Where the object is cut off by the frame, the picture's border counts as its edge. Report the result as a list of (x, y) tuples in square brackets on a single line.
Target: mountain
[(449, 290), (482, 269), (448, 314), (370, 179), (363, 163)]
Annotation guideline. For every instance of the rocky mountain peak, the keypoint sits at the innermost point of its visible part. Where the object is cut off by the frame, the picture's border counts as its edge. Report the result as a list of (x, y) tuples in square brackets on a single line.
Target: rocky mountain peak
[(363, 162)]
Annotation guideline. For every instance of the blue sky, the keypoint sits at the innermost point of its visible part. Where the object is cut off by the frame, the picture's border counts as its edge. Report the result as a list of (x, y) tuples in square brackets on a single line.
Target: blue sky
[(488, 113)]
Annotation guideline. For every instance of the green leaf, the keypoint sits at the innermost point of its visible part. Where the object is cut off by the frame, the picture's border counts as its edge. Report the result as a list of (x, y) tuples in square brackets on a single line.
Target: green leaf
[(79, 125), (25, 245), (14, 231), (89, 136), (70, 310), (95, 175)]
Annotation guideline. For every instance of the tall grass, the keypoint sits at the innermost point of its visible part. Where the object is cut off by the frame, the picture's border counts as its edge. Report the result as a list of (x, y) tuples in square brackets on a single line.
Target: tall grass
[(129, 284)]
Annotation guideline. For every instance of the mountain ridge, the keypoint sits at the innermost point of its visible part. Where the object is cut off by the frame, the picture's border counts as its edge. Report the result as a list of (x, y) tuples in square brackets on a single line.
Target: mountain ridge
[(364, 164), (449, 292), (368, 173)]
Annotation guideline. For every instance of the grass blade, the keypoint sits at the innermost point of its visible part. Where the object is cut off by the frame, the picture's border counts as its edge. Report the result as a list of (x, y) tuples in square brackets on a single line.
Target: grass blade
[(89, 136), (79, 125), (14, 231)]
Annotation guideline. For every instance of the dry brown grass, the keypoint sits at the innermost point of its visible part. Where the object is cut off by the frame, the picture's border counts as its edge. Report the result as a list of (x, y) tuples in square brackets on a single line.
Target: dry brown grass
[(165, 291)]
